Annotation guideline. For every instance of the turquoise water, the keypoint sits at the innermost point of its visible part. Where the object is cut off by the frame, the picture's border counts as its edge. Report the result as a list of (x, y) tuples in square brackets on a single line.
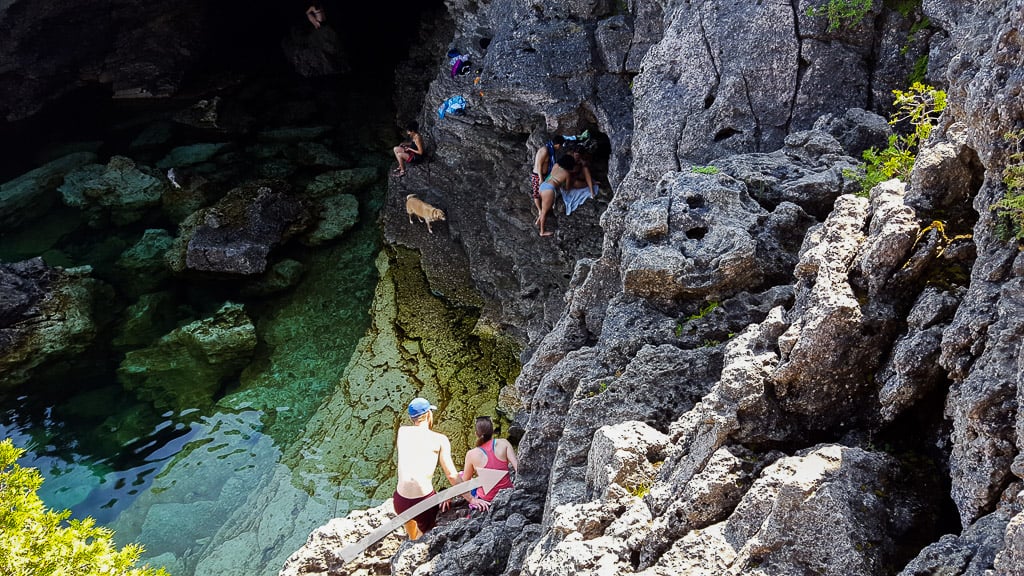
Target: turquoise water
[(200, 486)]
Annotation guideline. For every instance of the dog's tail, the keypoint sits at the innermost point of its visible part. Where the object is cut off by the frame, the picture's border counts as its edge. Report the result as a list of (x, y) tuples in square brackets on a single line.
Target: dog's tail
[(410, 196)]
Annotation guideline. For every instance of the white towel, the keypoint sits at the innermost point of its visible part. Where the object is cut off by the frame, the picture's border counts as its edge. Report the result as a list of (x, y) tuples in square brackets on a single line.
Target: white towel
[(575, 198)]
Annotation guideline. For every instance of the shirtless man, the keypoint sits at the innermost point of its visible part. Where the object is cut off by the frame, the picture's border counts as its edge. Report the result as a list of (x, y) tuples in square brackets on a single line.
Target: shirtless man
[(419, 451), (543, 162)]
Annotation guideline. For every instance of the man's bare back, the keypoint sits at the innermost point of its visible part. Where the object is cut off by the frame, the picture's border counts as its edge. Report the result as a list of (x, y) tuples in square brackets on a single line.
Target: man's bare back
[(420, 449)]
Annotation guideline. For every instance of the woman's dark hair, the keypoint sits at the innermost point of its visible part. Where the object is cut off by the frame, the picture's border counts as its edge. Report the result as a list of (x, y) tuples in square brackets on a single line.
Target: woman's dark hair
[(484, 430), (413, 126), (567, 161)]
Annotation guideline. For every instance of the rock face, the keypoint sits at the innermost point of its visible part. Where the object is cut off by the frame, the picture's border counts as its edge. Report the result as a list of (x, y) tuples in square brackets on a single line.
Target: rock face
[(145, 52), (759, 372)]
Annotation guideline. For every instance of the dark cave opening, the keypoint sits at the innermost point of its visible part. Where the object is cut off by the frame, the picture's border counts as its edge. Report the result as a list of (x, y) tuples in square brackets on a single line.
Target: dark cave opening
[(244, 42)]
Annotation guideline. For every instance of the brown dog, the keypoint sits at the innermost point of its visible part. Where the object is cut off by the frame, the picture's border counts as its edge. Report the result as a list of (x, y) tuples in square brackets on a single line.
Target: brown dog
[(425, 212)]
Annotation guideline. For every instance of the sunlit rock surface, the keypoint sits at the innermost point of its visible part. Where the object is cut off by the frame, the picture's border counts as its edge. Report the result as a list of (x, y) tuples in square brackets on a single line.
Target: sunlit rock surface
[(888, 326)]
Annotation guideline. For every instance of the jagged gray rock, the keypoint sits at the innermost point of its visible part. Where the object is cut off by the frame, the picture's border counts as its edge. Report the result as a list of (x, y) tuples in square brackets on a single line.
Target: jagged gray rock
[(236, 235), (829, 347)]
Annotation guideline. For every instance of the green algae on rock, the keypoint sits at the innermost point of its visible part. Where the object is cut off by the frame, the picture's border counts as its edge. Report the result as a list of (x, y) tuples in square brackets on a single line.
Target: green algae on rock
[(418, 345), (187, 367)]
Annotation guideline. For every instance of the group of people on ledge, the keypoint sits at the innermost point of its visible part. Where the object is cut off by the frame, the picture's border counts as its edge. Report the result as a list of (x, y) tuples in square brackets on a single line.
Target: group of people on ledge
[(557, 168), (421, 449)]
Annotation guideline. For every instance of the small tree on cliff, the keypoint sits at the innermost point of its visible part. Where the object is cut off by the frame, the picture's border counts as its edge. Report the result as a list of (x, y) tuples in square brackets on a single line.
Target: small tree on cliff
[(918, 108), (36, 541)]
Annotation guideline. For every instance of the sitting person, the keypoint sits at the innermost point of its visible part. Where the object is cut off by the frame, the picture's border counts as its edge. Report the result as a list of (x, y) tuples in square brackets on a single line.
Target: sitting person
[(558, 178), (492, 453), (315, 14), (411, 150), (580, 174)]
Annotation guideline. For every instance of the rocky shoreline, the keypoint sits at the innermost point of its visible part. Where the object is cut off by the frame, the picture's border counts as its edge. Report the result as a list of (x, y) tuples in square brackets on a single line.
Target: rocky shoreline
[(847, 405), (732, 360)]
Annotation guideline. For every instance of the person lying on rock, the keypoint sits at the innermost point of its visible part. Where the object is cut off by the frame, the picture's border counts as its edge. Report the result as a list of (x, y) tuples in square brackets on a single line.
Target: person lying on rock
[(492, 453), (558, 178), (410, 151), (543, 162), (420, 449)]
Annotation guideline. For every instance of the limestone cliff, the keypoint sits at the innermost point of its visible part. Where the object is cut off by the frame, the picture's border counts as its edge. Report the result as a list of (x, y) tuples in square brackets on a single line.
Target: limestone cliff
[(752, 371)]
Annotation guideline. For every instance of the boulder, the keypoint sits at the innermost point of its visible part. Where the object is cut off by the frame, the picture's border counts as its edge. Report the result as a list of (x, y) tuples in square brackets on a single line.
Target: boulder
[(186, 367), (119, 193), (47, 316), (236, 235)]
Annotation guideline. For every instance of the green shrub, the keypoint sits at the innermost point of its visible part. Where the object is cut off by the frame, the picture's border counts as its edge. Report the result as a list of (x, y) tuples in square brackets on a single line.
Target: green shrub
[(841, 13), (36, 541), (918, 108), (1010, 208)]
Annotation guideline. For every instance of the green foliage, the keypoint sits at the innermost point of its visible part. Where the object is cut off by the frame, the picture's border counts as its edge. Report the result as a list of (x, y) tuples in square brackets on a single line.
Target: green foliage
[(918, 109), (707, 309), (841, 13), (1010, 208), (640, 490), (920, 69), (904, 7), (36, 541), (921, 24), (705, 170)]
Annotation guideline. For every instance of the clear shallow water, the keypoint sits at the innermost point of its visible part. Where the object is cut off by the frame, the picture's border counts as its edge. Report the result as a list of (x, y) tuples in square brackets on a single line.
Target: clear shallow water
[(191, 484)]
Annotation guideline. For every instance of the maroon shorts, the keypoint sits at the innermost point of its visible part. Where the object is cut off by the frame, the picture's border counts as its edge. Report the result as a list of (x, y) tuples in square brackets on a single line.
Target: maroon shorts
[(425, 520), (535, 185)]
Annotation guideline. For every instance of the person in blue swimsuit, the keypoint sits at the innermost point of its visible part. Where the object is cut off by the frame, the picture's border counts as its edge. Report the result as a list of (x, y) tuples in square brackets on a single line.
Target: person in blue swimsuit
[(560, 176), (543, 162)]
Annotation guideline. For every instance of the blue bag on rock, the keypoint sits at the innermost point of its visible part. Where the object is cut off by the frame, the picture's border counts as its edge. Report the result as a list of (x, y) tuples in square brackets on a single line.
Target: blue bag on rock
[(453, 105)]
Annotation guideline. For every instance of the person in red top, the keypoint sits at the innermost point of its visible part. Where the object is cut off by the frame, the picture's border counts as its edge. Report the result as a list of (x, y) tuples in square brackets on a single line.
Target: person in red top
[(493, 453)]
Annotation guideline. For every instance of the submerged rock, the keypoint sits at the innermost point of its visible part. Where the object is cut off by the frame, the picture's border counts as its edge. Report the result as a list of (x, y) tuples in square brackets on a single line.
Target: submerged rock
[(30, 195), (341, 181), (119, 193), (337, 214), (191, 154), (186, 367), (143, 267)]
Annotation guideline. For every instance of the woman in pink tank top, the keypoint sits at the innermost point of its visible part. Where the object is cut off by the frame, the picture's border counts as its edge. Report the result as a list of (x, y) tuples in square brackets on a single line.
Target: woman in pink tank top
[(493, 453)]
